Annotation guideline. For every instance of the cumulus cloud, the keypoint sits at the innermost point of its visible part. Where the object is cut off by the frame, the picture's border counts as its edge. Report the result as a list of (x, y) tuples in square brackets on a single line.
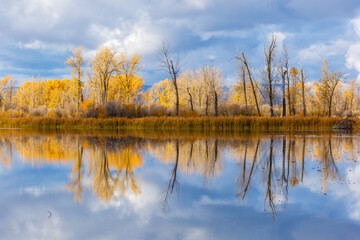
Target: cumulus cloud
[(35, 32)]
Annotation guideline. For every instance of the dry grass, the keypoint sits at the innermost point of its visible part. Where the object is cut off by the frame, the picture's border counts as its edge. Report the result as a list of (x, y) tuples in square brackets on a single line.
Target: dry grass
[(238, 123)]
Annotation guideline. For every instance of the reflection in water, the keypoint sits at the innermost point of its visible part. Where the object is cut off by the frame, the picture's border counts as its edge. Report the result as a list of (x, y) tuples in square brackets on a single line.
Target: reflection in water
[(110, 162)]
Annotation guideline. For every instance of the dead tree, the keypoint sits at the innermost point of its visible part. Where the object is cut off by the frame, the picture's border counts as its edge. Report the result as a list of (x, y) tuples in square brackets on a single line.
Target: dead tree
[(269, 52), (303, 91), (241, 57), (172, 68)]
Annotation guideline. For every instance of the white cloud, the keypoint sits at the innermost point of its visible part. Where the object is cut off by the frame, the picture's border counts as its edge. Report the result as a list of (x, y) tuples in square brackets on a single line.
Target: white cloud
[(140, 36), (318, 51)]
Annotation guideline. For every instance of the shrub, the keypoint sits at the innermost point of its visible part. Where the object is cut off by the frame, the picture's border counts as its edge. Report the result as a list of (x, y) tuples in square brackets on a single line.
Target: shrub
[(39, 111)]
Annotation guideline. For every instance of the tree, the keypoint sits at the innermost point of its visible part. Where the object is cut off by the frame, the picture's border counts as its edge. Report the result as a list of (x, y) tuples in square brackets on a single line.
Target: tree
[(284, 72), (212, 78), (172, 68), (187, 85), (76, 62), (130, 83), (242, 58), (6, 86), (241, 85), (269, 52), (293, 90), (302, 81), (104, 65), (327, 85)]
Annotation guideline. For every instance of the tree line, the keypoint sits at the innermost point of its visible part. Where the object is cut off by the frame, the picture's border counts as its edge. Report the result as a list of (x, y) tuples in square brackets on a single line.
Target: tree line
[(110, 84)]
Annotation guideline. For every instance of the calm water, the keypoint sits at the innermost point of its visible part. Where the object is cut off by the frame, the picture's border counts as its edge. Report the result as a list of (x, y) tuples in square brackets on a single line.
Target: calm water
[(171, 185)]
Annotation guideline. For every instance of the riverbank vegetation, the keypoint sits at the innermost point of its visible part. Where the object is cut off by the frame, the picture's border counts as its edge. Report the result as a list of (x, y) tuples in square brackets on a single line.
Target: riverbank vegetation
[(108, 91), (224, 123)]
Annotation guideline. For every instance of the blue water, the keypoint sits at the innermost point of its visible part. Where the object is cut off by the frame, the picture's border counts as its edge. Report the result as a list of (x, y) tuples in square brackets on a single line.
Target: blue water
[(135, 186)]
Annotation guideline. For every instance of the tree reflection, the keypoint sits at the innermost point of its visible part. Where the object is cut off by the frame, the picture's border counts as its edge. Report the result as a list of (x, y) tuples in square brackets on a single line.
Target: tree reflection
[(107, 164)]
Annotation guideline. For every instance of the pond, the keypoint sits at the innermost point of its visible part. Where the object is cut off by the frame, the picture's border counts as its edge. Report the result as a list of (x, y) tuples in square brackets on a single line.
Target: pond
[(178, 185)]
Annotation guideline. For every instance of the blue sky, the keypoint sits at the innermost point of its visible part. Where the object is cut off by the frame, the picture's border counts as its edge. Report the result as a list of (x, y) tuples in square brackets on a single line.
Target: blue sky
[(37, 36)]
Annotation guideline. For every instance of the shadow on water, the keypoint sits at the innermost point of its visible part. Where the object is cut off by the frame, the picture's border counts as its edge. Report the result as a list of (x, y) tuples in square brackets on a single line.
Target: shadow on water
[(273, 163)]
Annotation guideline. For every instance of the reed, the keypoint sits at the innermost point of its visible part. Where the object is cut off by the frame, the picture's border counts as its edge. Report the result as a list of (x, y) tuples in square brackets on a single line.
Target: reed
[(238, 123)]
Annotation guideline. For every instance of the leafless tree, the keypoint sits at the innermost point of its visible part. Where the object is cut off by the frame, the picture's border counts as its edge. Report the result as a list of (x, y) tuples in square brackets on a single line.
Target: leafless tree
[(303, 91), (283, 70), (172, 67), (242, 58), (269, 52), (212, 78)]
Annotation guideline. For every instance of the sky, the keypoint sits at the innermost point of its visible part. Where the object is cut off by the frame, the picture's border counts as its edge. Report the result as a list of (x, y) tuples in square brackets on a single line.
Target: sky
[(37, 36)]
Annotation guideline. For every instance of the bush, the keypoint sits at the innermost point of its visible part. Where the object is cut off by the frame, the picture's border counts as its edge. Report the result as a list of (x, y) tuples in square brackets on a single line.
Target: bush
[(92, 112), (113, 109), (39, 111), (55, 113)]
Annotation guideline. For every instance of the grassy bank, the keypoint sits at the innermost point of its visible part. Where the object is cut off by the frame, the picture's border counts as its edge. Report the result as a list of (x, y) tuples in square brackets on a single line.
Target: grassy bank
[(239, 123)]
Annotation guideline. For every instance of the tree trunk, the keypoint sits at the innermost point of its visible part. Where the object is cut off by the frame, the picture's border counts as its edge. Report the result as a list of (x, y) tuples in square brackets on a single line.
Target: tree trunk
[(206, 105), (303, 92), (177, 100), (283, 94), (216, 104), (244, 86), (270, 93), (252, 85), (191, 100), (288, 88)]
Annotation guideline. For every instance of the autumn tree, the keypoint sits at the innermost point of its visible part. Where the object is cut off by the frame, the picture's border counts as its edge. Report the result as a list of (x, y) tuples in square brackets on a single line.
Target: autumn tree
[(76, 63), (328, 82), (240, 85), (188, 87), (293, 90), (6, 91), (130, 84), (104, 65), (172, 67), (212, 78)]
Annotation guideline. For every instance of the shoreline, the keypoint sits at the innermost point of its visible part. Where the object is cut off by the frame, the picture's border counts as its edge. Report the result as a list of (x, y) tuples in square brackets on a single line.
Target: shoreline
[(238, 123)]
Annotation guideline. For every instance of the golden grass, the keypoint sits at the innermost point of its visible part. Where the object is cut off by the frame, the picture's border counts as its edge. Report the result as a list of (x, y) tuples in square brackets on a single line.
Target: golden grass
[(239, 123)]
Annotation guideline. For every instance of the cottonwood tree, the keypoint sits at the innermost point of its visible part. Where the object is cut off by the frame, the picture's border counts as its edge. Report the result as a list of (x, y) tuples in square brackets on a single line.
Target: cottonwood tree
[(172, 67), (293, 91), (269, 52), (329, 80), (302, 81), (130, 83), (6, 92), (104, 65), (241, 84), (284, 72), (188, 87), (242, 58), (76, 63), (212, 78)]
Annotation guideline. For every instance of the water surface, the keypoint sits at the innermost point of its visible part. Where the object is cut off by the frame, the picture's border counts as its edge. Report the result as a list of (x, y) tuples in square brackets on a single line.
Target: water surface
[(174, 185)]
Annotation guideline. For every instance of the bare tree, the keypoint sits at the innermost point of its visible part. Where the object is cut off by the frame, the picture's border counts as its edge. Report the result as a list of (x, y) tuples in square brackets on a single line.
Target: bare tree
[(242, 58), (172, 68), (269, 52), (302, 80), (212, 78), (241, 72), (283, 69)]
